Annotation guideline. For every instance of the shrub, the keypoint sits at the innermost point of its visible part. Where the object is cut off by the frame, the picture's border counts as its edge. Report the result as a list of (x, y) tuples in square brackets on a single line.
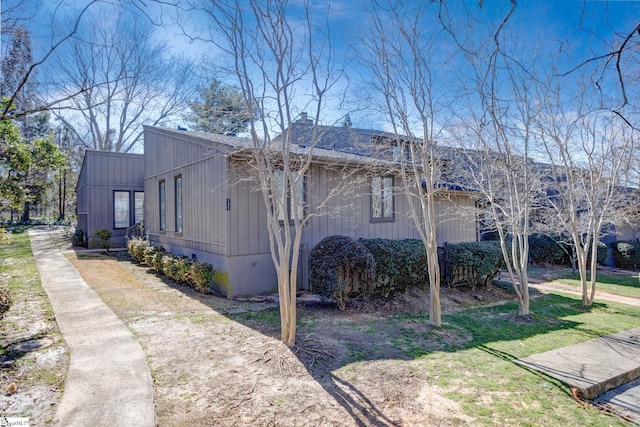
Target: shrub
[(78, 238), (626, 255), (602, 253), (153, 257), (399, 264), (177, 267), (340, 268), (156, 260), (105, 238), (169, 266), (472, 263), (137, 247), (200, 276), (544, 249)]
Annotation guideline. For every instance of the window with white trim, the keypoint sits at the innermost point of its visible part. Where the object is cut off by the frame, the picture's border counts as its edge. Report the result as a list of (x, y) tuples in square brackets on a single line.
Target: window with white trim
[(292, 198), (121, 209), (382, 198)]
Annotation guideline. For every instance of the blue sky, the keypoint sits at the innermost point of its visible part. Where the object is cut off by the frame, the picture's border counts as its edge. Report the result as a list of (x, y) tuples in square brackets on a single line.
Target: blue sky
[(579, 29)]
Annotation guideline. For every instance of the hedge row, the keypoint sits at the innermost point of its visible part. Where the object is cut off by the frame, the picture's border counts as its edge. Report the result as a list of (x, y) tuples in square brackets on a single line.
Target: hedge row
[(626, 255), (398, 264), (341, 267), (545, 249), (196, 274), (472, 263)]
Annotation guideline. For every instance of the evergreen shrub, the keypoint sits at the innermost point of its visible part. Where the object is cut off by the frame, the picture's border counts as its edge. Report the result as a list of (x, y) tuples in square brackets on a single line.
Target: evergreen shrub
[(399, 264), (544, 249), (196, 274), (472, 263), (340, 268), (626, 255)]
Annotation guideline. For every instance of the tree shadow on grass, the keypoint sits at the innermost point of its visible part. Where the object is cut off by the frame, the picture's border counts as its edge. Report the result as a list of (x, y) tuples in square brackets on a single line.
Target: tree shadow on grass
[(349, 338), (330, 340)]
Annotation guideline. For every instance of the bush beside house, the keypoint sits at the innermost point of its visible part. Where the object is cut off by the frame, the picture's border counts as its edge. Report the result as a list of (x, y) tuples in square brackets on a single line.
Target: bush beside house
[(626, 255), (341, 267), (196, 274), (399, 264), (472, 263)]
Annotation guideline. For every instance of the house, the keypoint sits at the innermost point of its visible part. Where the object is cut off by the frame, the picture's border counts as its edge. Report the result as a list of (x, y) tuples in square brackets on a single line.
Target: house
[(200, 201), (110, 194)]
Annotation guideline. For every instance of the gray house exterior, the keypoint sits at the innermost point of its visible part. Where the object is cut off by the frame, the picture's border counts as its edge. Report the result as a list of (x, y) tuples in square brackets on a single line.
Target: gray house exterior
[(199, 197), (110, 194), (201, 202)]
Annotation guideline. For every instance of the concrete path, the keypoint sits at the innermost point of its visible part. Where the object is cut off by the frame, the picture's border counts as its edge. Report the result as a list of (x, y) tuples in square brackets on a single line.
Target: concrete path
[(109, 383), (592, 366), (598, 367)]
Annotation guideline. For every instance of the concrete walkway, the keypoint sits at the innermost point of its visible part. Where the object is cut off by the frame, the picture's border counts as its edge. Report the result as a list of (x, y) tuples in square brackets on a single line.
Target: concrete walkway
[(109, 383), (596, 366)]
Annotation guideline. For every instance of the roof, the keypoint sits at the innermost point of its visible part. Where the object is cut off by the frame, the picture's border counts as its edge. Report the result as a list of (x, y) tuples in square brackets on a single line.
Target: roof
[(239, 145)]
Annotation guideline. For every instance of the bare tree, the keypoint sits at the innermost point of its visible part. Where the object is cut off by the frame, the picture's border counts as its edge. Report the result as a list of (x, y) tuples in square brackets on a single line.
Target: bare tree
[(282, 70), (14, 17), (116, 78), (590, 151), (495, 130), (405, 63), (614, 68)]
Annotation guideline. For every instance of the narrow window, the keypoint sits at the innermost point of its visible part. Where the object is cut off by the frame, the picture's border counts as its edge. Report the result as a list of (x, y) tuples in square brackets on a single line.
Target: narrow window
[(382, 198), (292, 198), (178, 201), (163, 211), (138, 204), (121, 209)]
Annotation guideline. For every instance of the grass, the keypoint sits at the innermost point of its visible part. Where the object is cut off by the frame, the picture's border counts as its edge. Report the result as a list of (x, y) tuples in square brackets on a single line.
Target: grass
[(39, 372), (625, 284), (471, 359)]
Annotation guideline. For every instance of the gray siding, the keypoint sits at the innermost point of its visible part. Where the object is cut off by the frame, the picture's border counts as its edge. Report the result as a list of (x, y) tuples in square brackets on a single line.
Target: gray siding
[(101, 174), (347, 214), (204, 216), (224, 215)]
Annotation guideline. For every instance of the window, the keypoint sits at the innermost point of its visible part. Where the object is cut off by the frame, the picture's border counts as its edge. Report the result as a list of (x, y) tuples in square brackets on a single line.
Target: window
[(382, 198), (293, 200), (138, 206), (163, 211), (121, 209), (178, 203)]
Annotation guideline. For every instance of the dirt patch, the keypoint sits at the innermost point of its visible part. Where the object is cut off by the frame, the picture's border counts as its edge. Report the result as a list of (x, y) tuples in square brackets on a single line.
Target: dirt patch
[(33, 356), (219, 361)]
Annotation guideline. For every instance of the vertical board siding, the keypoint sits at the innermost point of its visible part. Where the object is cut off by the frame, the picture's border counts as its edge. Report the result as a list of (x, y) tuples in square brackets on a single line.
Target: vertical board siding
[(101, 174), (243, 229), (240, 234), (347, 214), (204, 225)]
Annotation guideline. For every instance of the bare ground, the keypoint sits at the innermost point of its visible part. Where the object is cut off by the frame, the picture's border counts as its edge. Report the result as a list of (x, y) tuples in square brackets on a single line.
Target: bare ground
[(217, 361), (33, 356)]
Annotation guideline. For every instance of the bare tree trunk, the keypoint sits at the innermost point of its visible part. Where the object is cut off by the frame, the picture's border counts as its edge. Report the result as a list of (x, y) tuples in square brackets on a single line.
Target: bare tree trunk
[(277, 63)]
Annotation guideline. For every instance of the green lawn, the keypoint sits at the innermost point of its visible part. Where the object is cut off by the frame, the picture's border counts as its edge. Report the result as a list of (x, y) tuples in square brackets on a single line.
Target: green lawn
[(39, 374), (471, 359), (624, 284)]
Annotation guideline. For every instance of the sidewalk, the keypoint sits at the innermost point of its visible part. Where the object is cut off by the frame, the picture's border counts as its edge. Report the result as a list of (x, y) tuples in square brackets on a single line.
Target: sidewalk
[(597, 366), (109, 383)]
